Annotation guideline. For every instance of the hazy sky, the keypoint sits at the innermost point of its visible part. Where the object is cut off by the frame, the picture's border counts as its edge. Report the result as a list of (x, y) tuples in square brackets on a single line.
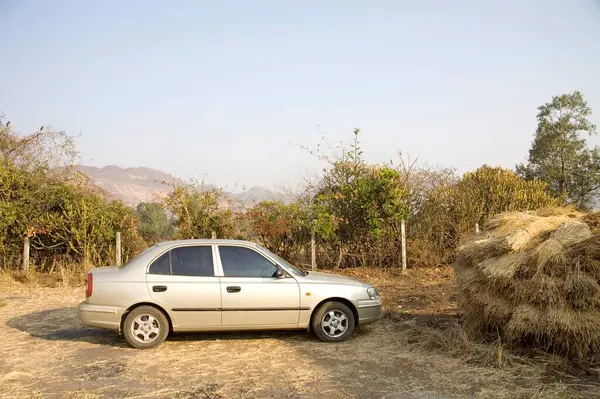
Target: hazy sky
[(220, 88)]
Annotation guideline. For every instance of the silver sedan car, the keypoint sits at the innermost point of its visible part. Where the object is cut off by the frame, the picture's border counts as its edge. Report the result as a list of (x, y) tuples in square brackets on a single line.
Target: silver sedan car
[(222, 285)]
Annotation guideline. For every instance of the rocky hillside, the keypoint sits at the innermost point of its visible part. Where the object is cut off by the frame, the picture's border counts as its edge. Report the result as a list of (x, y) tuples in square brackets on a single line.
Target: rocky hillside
[(140, 184)]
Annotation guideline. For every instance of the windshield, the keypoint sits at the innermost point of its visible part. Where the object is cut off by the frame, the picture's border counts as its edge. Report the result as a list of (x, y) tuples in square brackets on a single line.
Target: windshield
[(288, 265)]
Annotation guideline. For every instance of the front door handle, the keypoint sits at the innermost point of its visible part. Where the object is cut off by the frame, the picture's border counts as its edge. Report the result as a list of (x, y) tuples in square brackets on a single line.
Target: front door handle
[(159, 288), (234, 289)]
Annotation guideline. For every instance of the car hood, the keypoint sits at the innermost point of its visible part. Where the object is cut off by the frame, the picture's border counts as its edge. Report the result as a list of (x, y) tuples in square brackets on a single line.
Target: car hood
[(326, 278)]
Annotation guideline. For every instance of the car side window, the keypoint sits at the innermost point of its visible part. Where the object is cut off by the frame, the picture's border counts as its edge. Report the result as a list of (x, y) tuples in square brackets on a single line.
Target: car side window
[(161, 265), (185, 261), (245, 262), (192, 261)]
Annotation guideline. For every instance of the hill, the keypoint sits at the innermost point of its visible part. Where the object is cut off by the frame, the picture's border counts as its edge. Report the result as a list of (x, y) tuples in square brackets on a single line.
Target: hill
[(141, 184)]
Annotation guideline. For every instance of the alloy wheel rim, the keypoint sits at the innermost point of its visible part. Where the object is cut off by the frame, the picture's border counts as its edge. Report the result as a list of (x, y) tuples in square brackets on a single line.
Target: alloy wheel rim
[(145, 328), (334, 324)]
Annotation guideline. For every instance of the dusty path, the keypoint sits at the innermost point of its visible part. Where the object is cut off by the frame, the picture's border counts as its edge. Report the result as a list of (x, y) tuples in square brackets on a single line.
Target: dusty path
[(47, 353), (50, 354)]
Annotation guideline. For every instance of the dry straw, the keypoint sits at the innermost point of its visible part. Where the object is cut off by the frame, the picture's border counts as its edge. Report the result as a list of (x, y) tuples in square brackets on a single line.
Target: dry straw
[(559, 329), (534, 277), (551, 252)]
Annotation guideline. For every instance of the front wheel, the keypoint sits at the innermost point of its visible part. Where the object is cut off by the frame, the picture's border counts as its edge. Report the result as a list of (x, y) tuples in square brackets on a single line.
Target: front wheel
[(333, 322), (145, 327)]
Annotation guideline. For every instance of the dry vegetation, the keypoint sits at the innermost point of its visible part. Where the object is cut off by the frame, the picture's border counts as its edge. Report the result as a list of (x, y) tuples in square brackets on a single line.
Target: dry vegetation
[(417, 350), (533, 278)]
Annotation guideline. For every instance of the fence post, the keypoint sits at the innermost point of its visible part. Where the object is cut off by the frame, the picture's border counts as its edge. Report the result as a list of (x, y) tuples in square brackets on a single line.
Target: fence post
[(213, 235), (403, 237), (313, 250), (25, 265), (118, 251), (476, 228)]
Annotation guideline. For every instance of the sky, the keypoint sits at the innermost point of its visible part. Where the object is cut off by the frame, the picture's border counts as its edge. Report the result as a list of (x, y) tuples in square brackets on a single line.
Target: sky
[(226, 91)]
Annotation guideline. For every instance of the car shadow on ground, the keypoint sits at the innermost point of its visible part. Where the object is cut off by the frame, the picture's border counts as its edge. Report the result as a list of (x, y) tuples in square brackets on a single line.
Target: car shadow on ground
[(62, 324)]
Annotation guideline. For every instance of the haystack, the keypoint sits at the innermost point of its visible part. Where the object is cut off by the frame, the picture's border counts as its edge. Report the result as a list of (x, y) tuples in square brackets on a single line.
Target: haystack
[(534, 277)]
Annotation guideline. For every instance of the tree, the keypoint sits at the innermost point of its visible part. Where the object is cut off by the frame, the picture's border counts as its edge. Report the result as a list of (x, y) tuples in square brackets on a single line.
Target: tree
[(358, 209), (278, 225), (559, 155), (450, 209), (200, 210), (154, 223), (67, 219), (488, 191)]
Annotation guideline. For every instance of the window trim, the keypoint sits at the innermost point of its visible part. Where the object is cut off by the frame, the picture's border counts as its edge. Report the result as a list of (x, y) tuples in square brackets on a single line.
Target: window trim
[(252, 248), (169, 249)]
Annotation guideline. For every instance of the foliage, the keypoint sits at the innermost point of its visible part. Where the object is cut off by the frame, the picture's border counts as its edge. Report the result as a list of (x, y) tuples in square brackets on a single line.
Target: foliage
[(490, 190), (198, 211), (353, 211), (155, 225), (559, 155), (453, 208), (46, 149), (358, 209), (432, 233), (277, 225), (67, 219)]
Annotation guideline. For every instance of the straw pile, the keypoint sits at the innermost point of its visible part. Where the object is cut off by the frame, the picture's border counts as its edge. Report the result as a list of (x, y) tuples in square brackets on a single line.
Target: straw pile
[(534, 277)]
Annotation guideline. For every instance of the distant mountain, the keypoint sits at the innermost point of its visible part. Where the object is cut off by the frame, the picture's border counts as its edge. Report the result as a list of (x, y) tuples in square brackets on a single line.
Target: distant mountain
[(132, 185), (257, 194), (140, 184)]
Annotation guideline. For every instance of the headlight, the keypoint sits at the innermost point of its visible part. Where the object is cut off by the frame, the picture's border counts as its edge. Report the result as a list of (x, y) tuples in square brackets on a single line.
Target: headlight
[(373, 294)]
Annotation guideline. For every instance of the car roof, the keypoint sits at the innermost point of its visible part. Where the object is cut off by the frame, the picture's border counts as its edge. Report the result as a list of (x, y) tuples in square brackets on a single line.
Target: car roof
[(206, 241)]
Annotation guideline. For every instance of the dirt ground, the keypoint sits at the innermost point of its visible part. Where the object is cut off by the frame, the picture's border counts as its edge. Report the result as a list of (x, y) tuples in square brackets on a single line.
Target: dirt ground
[(415, 351)]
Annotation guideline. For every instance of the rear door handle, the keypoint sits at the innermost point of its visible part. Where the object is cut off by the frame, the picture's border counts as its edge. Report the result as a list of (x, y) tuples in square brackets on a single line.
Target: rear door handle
[(159, 288), (234, 289)]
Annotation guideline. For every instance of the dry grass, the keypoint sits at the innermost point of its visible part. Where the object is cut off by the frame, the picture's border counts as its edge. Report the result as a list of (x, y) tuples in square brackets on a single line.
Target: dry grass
[(418, 348), (573, 331), (482, 249), (544, 292), (553, 248), (500, 271), (62, 277), (569, 211), (431, 330), (531, 227), (584, 257), (424, 291)]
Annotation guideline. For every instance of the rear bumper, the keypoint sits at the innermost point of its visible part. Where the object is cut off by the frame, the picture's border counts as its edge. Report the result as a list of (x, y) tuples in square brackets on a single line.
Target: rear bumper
[(100, 316)]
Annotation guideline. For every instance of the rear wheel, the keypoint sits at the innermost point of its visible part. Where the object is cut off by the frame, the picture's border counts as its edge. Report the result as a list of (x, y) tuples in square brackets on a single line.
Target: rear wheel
[(333, 322), (145, 327)]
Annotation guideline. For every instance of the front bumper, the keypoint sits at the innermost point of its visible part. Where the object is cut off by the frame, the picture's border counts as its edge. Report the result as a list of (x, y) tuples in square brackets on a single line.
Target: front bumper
[(369, 314), (100, 316), (368, 310)]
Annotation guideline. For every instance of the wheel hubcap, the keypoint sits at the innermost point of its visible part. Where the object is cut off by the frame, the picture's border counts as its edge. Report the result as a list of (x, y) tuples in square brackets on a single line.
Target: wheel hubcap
[(334, 323), (145, 328)]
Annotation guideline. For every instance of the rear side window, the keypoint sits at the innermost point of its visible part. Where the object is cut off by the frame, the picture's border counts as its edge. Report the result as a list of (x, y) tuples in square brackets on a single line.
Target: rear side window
[(161, 265), (245, 262), (185, 261)]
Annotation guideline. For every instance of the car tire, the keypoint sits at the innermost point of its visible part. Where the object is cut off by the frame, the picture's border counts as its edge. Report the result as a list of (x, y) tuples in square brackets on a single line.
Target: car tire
[(328, 330), (145, 327)]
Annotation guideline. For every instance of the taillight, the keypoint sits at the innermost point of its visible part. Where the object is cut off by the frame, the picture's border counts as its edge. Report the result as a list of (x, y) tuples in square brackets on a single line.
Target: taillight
[(89, 285)]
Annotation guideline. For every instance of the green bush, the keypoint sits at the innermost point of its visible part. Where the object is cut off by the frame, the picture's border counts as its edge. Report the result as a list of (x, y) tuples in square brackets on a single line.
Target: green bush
[(68, 220)]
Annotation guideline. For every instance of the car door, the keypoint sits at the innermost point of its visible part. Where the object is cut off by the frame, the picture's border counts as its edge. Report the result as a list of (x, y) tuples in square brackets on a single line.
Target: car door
[(183, 279), (251, 294)]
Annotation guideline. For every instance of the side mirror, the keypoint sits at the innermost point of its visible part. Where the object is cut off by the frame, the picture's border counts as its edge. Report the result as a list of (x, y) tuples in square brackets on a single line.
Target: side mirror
[(279, 273)]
